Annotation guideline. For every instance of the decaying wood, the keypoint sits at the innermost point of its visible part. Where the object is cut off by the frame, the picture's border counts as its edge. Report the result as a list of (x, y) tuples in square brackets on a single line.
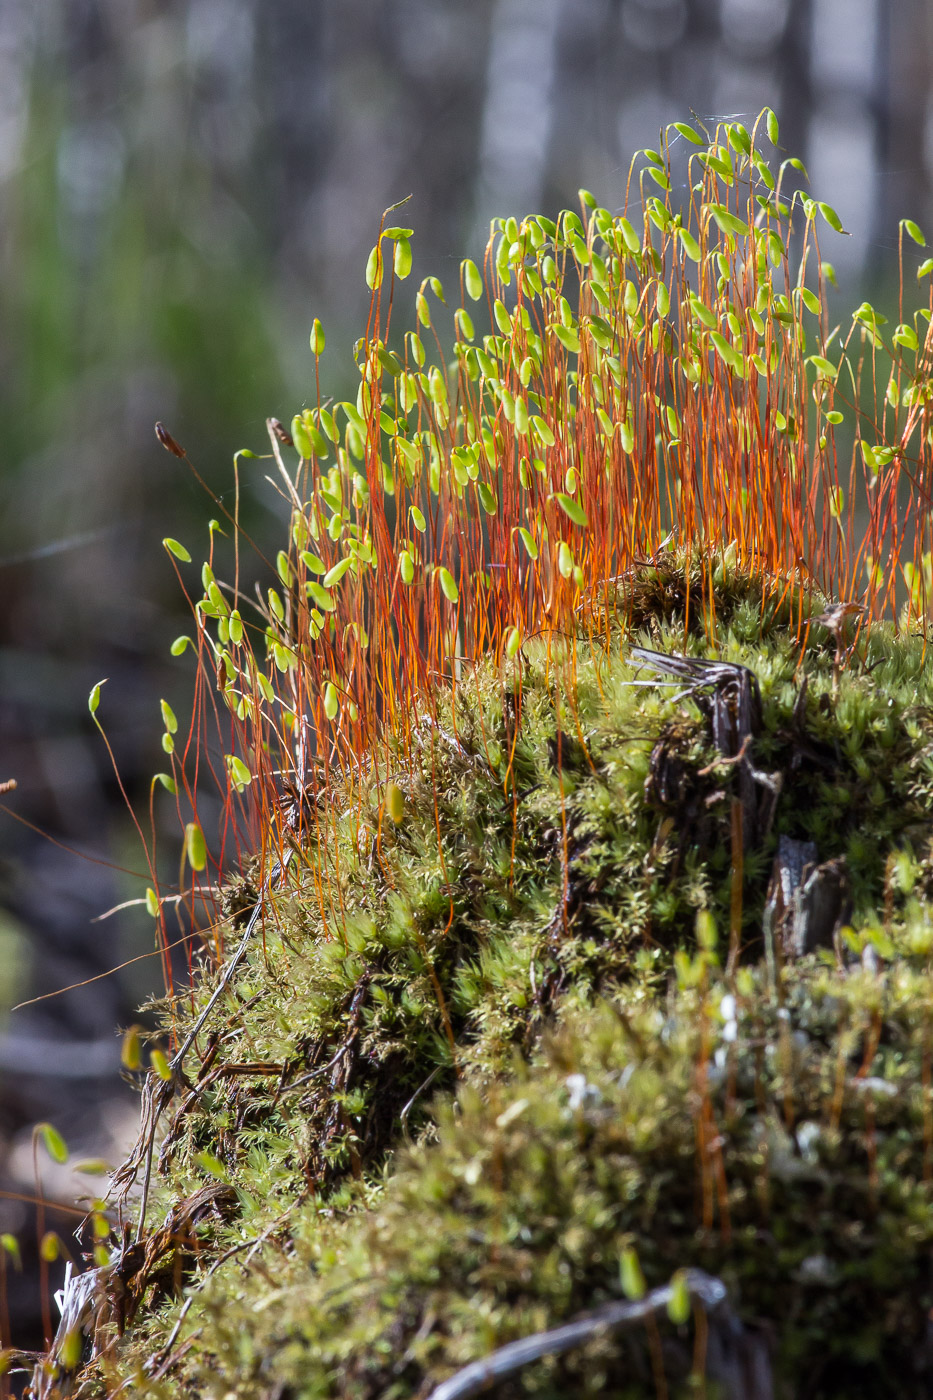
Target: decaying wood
[(807, 902), (104, 1299), (731, 698)]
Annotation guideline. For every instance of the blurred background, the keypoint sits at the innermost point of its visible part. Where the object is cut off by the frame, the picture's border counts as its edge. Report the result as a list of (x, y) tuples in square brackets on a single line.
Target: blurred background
[(184, 186)]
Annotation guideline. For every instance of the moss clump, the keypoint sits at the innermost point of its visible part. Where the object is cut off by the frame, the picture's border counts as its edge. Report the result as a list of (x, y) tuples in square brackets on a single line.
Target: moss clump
[(807, 1196), (524, 976)]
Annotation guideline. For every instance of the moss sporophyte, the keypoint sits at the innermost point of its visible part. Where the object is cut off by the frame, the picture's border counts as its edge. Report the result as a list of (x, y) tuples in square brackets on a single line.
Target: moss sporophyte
[(571, 1003)]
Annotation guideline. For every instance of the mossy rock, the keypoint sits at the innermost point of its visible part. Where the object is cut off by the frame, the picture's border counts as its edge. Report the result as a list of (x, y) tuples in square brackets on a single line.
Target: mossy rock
[(510, 1030)]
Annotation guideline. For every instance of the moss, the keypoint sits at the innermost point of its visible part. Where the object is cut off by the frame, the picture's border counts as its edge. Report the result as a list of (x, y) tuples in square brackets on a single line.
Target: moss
[(475, 1055), (520, 1211)]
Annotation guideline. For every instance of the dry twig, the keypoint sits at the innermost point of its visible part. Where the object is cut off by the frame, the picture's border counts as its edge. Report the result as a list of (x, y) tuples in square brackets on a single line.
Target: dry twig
[(470, 1380)]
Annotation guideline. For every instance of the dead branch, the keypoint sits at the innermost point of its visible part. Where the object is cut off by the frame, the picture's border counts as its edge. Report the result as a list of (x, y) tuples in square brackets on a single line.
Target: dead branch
[(704, 1289)]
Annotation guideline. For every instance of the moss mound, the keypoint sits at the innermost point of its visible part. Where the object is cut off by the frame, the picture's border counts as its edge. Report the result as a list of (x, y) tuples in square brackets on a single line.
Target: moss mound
[(539, 1031)]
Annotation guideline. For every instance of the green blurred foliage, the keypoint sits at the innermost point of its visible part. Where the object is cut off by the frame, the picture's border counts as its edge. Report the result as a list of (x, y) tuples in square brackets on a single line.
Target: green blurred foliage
[(97, 298)]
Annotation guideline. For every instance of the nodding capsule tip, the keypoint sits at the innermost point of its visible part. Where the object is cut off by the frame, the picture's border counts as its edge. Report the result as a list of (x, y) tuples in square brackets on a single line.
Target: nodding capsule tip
[(281, 432), (167, 441)]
